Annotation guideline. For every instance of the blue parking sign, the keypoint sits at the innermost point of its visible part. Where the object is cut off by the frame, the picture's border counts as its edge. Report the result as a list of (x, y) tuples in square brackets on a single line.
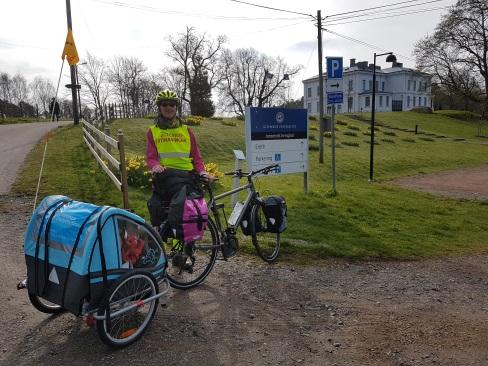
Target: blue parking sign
[(334, 67)]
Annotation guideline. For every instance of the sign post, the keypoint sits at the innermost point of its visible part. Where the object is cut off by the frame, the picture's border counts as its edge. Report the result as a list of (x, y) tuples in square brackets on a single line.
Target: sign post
[(277, 136), (335, 96)]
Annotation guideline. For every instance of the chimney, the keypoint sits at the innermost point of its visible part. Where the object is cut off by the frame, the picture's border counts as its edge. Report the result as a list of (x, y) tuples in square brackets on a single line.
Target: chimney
[(371, 66), (397, 64), (352, 62)]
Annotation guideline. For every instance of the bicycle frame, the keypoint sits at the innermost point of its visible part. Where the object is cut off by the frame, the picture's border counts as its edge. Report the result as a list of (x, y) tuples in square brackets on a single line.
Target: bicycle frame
[(251, 196)]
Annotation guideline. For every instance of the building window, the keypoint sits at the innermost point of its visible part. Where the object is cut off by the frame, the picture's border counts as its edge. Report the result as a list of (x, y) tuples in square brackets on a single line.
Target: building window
[(350, 84), (425, 101), (381, 101), (318, 91), (377, 87), (309, 108), (382, 86), (413, 98), (364, 84), (408, 101), (387, 100), (420, 86), (309, 92), (366, 102), (414, 85), (318, 107), (370, 85), (420, 101), (409, 82)]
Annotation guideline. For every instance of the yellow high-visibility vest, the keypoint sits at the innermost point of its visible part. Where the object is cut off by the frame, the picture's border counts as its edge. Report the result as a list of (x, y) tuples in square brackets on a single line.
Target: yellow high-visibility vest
[(173, 145)]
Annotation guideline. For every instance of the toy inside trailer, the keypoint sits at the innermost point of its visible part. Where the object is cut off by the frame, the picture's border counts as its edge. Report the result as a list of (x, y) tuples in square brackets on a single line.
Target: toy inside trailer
[(100, 262)]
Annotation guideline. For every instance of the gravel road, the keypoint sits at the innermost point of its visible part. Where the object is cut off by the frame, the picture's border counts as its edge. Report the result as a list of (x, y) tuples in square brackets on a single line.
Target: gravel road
[(16, 141), (432, 312)]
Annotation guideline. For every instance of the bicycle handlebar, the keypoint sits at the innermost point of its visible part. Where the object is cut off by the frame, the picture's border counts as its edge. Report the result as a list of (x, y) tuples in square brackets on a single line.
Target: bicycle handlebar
[(266, 170)]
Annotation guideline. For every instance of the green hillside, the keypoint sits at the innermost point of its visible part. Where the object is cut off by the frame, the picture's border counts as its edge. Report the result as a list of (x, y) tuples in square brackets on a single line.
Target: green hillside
[(372, 220)]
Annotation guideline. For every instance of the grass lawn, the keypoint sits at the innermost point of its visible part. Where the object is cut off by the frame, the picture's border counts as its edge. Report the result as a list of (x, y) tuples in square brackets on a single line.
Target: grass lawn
[(14, 120), (365, 220)]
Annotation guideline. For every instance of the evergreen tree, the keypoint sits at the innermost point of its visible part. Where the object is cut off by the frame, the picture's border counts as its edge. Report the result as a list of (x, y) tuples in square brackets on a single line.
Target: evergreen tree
[(201, 103)]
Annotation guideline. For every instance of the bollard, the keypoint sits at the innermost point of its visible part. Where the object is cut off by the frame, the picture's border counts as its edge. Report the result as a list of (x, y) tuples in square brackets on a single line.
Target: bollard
[(416, 129)]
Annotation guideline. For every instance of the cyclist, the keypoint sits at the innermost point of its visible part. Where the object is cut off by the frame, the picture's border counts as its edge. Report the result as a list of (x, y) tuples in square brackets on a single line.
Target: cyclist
[(172, 155)]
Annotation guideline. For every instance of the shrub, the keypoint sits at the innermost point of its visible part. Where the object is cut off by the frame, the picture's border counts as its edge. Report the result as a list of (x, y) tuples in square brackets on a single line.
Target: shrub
[(150, 116), (369, 142), (354, 128), (389, 133), (408, 140), (350, 133), (216, 118), (313, 147), (367, 133), (240, 118), (213, 169), (313, 128), (458, 139), (426, 138), (193, 120), (350, 143), (137, 173), (229, 122), (312, 118), (328, 134), (388, 140), (422, 110), (342, 123), (312, 137)]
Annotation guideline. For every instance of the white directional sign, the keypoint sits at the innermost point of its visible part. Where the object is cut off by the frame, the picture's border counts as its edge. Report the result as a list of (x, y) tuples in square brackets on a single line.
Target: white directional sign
[(333, 86), (277, 136)]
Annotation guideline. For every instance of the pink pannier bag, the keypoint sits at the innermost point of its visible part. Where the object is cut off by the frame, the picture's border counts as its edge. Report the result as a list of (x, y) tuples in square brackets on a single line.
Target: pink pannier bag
[(188, 214)]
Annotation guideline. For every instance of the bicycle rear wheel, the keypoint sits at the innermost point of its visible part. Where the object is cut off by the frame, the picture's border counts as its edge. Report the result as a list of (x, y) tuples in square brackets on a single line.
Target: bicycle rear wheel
[(267, 244), (131, 289), (190, 263)]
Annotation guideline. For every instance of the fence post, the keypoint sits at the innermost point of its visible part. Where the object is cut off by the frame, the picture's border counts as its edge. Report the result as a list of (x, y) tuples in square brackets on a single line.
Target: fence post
[(123, 171), (107, 145)]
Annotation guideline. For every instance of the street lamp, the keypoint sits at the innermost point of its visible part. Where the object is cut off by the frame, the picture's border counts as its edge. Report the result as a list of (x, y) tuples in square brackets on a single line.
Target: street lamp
[(391, 58)]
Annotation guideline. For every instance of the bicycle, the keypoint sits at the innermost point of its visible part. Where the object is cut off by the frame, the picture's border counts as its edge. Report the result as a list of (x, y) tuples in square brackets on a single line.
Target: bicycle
[(190, 263)]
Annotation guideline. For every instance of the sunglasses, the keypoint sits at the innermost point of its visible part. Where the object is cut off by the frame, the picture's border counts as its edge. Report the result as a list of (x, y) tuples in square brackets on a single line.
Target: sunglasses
[(168, 104)]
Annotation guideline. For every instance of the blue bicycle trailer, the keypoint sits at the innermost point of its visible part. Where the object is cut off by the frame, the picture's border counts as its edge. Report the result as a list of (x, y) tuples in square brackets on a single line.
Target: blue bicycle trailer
[(100, 262)]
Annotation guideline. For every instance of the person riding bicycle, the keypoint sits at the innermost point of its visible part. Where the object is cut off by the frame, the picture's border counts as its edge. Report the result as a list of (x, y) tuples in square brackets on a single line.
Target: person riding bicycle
[(172, 155)]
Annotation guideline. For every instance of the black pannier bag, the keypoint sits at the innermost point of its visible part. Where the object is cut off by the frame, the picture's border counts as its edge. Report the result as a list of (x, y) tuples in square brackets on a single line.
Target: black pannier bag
[(275, 210), (246, 222)]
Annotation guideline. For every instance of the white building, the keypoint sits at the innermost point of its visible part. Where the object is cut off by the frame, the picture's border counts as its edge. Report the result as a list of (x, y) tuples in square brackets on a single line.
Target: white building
[(397, 89)]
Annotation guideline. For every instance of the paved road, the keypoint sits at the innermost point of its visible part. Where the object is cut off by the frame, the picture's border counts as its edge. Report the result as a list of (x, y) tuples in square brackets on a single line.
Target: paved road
[(16, 141)]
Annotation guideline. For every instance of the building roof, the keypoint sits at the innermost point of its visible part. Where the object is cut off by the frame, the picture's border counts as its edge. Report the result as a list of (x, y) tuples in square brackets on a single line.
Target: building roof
[(390, 70)]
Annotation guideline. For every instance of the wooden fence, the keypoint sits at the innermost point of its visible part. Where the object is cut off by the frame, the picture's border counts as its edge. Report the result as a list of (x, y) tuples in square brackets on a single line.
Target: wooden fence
[(101, 144)]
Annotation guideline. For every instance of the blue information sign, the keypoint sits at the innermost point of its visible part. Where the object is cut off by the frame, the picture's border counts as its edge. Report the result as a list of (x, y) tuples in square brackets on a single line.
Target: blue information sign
[(334, 68), (278, 123), (335, 98)]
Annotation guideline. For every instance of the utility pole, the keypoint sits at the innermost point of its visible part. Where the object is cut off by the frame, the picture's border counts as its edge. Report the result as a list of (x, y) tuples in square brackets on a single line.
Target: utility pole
[(72, 68), (321, 90)]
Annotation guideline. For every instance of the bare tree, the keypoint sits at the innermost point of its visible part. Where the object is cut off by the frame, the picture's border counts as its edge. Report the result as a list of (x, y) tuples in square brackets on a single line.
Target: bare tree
[(5, 82), (249, 78), (126, 75), (195, 54), (43, 90), (94, 76), (457, 53), (19, 89)]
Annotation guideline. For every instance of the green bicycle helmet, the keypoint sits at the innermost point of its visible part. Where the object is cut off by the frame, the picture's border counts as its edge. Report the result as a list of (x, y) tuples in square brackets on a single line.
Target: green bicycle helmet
[(166, 95)]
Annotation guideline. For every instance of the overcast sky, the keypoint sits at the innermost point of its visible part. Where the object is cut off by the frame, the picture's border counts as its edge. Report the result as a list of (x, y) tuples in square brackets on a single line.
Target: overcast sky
[(32, 32)]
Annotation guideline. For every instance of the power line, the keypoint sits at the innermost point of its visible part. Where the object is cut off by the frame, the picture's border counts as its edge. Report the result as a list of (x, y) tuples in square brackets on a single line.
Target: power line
[(384, 6), (162, 11), (387, 16), (372, 46), (270, 8), (270, 29)]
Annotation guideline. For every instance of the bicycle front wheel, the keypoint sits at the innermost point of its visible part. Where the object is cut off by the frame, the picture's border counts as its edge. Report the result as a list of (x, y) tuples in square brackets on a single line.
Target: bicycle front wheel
[(267, 244), (190, 263)]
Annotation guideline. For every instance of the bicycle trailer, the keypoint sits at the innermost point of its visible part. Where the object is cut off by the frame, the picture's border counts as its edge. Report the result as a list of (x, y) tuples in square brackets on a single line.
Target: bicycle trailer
[(77, 252)]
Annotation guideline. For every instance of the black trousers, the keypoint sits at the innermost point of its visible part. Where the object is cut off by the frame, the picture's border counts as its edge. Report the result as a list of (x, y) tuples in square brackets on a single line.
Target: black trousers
[(165, 186)]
